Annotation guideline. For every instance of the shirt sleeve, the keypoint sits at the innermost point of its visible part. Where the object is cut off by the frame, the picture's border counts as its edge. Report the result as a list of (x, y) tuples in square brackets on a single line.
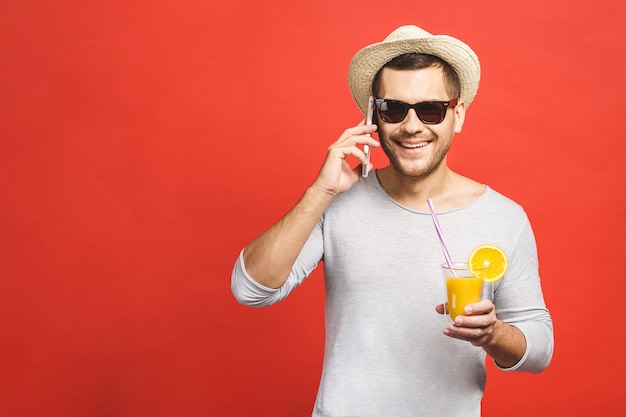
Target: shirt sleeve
[(249, 292), (519, 302)]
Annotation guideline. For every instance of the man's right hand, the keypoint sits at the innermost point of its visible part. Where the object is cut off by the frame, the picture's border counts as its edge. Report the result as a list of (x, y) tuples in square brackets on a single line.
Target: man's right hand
[(336, 176)]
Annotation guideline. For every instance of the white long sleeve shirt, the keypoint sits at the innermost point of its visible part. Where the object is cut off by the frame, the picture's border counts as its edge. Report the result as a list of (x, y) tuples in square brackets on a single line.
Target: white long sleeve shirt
[(385, 354)]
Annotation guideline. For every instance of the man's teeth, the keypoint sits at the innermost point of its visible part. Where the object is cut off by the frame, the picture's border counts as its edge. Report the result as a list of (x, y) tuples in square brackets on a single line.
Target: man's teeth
[(413, 145)]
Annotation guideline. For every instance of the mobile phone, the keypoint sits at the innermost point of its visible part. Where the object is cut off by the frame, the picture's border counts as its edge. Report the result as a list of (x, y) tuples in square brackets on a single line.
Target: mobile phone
[(366, 148)]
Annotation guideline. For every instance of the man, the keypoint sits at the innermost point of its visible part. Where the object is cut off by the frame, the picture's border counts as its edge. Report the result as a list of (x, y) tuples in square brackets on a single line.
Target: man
[(386, 353)]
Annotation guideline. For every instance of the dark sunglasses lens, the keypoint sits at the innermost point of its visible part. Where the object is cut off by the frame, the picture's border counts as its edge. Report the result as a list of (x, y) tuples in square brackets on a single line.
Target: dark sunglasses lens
[(392, 111), (431, 113)]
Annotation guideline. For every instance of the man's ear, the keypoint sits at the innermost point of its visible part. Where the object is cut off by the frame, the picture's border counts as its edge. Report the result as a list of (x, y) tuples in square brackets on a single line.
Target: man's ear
[(459, 117)]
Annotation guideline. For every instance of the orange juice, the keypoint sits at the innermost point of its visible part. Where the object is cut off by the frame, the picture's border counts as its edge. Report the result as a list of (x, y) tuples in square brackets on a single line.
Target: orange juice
[(461, 292)]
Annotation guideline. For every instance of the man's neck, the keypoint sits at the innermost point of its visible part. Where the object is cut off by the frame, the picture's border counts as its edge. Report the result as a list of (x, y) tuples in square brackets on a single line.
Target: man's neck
[(446, 188)]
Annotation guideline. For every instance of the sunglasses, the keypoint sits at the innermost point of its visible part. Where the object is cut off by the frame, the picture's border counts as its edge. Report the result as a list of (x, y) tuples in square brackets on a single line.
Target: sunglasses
[(429, 112)]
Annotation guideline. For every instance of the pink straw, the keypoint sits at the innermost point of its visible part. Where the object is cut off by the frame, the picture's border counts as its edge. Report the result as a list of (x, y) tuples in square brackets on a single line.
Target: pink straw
[(446, 254)]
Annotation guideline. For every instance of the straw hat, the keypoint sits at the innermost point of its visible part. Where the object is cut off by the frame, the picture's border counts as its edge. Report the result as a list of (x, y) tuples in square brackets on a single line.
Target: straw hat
[(406, 39)]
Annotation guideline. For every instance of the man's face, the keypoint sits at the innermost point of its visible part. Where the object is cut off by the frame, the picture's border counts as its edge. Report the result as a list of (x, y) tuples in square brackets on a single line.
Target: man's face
[(416, 149)]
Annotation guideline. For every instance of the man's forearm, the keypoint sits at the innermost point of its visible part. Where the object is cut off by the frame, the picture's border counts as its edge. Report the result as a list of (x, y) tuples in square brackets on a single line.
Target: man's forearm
[(269, 257), (507, 346)]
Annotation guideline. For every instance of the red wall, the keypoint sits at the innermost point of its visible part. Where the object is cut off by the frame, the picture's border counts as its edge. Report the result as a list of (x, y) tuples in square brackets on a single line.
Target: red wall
[(143, 143)]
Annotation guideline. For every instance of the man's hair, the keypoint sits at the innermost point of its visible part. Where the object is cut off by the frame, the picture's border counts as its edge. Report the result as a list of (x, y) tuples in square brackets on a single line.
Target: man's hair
[(416, 61)]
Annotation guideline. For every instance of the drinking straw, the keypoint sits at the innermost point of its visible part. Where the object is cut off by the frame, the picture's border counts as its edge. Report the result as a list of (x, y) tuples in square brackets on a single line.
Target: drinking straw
[(446, 254)]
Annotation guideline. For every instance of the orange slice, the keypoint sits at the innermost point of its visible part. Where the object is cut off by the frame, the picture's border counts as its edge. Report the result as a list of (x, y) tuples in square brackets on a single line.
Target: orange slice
[(491, 258)]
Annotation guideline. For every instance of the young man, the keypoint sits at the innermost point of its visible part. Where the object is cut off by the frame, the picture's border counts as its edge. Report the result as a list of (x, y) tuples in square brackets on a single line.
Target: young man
[(388, 351)]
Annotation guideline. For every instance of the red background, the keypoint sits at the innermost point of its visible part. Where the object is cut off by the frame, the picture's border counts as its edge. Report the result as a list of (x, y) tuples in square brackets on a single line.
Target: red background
[(143, 143)]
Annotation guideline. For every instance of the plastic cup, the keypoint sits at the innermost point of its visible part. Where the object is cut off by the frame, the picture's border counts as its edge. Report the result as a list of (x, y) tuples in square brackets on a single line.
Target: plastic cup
[(463, 286)]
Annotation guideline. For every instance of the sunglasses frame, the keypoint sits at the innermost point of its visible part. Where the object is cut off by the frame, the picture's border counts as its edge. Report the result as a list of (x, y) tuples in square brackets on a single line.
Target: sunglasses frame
[(416, 107)]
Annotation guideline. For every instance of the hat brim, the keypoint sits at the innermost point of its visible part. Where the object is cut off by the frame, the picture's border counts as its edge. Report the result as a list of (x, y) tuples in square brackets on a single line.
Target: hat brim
[(368, 61)]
